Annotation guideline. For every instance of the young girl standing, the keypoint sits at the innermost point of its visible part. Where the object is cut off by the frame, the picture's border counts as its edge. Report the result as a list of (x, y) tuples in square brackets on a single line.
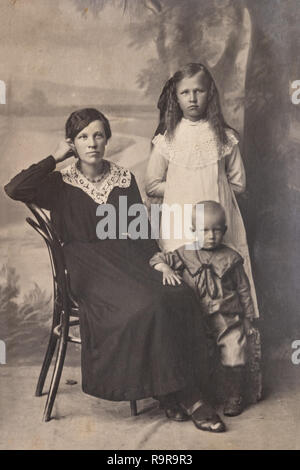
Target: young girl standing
[(195, 156)]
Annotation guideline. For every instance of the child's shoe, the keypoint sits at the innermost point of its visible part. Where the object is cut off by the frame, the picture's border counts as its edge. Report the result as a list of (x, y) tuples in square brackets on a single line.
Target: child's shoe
[(233, 406), (234, 383)]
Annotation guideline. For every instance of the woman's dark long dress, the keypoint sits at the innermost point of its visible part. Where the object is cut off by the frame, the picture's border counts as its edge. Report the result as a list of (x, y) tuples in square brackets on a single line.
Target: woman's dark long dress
[(139, 338)]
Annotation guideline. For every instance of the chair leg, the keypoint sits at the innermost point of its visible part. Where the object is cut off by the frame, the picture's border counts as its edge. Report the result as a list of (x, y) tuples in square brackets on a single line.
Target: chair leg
[(59, 363), (133, 408), (46, 364), (48, 356)]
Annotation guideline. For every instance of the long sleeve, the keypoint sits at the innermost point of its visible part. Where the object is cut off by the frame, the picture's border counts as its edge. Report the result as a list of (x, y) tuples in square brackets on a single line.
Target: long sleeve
[(155, 180), (243, 290), (37, 184), (171, 259), (235, 170)]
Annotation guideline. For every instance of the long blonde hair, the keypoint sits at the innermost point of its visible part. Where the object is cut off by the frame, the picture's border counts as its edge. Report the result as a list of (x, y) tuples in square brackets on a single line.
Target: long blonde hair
[(171, 113)]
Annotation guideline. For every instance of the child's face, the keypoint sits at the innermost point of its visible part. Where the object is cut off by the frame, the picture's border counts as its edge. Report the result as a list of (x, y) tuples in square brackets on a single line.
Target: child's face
[(192, 95), (213, 231)]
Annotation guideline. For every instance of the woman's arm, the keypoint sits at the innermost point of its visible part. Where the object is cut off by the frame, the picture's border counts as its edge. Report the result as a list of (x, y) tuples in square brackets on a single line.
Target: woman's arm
[(38, 184), (147, 246), (235, 170), (156, 173)]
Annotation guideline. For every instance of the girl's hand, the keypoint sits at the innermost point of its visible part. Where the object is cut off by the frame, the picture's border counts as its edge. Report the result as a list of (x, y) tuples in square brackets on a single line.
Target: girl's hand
[(64, 150), (249, 330), (170, 277)]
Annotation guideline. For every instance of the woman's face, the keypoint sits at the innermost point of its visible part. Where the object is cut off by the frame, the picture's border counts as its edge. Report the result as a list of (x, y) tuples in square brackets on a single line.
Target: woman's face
[(90, 143)]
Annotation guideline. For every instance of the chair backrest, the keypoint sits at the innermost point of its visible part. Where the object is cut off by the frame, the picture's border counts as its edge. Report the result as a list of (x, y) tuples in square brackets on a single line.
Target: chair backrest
[(43, 225)]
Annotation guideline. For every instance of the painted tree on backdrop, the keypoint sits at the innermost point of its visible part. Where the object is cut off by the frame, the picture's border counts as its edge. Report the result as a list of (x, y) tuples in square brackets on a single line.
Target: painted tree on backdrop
[(215, 32), (271, 155)]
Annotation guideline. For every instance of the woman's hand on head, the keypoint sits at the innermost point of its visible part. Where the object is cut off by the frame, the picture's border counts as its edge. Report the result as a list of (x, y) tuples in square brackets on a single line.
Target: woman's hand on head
[(64, 150)]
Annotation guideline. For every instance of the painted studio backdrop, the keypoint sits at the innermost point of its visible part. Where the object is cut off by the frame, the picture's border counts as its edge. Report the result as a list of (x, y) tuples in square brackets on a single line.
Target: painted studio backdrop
[(57, 56)]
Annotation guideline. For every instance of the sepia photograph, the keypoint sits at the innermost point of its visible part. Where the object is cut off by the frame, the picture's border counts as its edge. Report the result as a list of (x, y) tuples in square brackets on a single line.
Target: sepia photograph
[(149, 227)]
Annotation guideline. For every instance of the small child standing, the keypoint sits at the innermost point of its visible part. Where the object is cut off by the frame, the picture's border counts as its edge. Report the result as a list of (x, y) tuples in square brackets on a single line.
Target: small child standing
[(216, 274), (195, 157)]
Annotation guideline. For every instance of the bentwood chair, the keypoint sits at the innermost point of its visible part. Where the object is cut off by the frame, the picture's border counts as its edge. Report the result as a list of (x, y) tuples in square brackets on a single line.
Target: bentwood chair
[(65, 310)]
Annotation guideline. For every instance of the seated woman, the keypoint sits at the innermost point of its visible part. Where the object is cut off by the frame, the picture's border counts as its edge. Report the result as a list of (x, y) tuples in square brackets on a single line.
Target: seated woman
[(138, 336)]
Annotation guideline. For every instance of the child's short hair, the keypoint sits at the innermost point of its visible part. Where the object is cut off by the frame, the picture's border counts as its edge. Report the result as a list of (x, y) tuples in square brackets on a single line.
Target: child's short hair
[(212, 206)]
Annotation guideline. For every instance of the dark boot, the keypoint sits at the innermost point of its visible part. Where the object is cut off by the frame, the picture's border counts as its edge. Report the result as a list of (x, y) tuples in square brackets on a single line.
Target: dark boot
[(172, 408), (205, 418), (200, 411), (234, 387)]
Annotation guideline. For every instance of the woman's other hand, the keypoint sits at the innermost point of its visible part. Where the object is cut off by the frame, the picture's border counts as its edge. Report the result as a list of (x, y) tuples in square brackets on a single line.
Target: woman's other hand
[(64, 150)]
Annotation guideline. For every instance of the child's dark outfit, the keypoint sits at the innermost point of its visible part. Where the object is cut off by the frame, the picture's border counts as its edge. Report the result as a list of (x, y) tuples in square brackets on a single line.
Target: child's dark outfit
[(223, 291)]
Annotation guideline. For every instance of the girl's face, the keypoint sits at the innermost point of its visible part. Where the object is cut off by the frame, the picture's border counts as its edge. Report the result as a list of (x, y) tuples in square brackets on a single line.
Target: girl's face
[(90, 143), (192, 96)]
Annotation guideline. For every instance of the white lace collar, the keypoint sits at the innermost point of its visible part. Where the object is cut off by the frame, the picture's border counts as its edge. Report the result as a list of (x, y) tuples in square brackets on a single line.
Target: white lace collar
[(115, 176), (188, 122)]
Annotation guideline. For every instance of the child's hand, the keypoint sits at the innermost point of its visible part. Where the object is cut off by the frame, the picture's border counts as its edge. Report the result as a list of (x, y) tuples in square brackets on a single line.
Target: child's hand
[(249, 330), (170, 277)]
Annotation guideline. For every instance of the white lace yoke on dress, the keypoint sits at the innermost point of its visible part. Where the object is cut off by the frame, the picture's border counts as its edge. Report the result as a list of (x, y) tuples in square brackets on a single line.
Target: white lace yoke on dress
[(192, 157)]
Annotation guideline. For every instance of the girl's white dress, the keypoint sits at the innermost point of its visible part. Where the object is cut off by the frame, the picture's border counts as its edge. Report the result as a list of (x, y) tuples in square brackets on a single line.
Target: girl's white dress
[(194, 167)]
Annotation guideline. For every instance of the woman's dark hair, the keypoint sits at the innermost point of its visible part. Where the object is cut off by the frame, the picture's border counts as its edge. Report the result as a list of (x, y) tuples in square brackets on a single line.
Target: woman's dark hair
[(170, 112), (78, 120)]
